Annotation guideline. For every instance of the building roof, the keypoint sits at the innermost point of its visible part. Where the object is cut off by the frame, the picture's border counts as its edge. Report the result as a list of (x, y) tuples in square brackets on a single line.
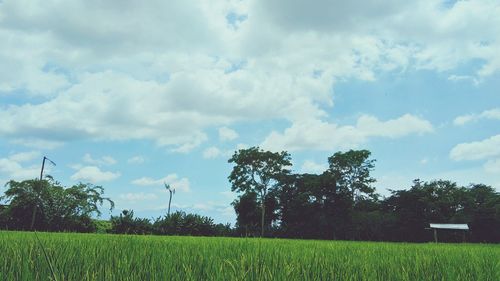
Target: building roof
[(449, 226)]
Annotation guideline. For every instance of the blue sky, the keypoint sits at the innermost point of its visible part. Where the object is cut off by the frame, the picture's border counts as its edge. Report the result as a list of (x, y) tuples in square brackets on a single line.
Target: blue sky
[(129, 95)]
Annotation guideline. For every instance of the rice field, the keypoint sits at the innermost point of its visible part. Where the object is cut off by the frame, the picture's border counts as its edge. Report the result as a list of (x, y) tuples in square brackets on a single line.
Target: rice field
[(117, 257)]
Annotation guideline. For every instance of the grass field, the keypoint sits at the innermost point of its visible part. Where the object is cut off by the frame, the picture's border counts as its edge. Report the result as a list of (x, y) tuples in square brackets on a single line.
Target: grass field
[(116, 257)]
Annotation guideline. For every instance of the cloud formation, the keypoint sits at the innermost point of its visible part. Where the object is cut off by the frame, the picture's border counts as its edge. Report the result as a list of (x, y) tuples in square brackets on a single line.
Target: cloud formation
[(167, 71), (136, 160), (103, 161), (94, 174), (492, 114), (312, 167), (227, 134), (17, 166), (138, 197), (179, 184), (211, 152), (477, 150), (314, 134)]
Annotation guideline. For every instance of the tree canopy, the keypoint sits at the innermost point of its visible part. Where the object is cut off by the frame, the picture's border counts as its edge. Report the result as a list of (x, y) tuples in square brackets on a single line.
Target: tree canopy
[(341, 203), (58, 208), (258, 171), (351, 170)]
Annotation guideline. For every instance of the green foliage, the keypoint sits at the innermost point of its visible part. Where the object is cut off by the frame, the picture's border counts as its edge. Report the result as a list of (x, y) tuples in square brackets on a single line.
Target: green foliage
[(4, 219), (180, 223), (58, 208), (125, 223), (248, 212), (308, 206), (177, 223), (120, 257), (341, 203), (102, 226), (443, 201), (351, 170), (258, 171)]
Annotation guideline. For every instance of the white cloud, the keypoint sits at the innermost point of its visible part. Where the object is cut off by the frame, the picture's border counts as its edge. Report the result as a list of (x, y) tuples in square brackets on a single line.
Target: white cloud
[(116, 74), (315, 134), (103, 161), (214, 152), (36, 143), (211, 152), (477, 150), (242, 146), (136, 160), (25, 156), (487, 149), (179, 184), (466, 78), (312, 167), (137, 197), (492, 166), (394, 128), (312, 134), (14, 167), (493, 114), (463, 119), (94, 175), (189, 145), (439, 37), (227, 134)]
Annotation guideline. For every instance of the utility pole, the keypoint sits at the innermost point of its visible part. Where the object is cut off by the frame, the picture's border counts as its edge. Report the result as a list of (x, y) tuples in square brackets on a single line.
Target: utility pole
[(172, 192), (40, 183)]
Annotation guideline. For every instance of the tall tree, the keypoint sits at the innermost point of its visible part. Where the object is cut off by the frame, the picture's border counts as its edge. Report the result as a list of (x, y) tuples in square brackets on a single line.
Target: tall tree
[(482, 207), (443, 201), (304, 206), (247, 213), (256, 170), (59, 208), (351, 170)]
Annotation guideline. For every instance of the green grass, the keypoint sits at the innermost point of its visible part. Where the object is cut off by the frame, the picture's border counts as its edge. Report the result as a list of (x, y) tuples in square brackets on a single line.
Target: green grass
[(116, 257)]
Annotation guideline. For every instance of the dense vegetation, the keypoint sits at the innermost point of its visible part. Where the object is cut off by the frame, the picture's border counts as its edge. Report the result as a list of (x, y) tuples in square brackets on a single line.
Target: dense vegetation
[(177, 223), (340, 203), (47, 205), (119, 257)]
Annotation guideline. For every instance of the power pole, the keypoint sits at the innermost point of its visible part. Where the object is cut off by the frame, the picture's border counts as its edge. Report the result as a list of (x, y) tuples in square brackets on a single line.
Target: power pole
[(172, 192), (40, 183)]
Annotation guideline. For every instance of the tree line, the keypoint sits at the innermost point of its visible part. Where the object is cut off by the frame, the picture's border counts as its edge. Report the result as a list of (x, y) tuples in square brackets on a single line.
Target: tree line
[(341, 202), (177, 223), (48, 206)]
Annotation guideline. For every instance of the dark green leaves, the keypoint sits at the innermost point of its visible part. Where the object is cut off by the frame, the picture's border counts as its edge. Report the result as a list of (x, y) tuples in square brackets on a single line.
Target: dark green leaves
[(58, 208)]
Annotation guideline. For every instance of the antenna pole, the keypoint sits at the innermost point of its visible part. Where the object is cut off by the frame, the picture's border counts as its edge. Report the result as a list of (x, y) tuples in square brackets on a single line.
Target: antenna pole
[(40, 185), (169, 201), (167, 186), (43, 166)]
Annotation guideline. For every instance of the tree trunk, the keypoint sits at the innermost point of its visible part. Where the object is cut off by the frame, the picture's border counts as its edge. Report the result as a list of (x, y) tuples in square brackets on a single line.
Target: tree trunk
[(262, 218), (263, 206)]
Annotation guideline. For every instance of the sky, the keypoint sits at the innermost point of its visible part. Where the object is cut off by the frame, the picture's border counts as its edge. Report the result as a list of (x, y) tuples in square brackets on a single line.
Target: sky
[(131, 94)]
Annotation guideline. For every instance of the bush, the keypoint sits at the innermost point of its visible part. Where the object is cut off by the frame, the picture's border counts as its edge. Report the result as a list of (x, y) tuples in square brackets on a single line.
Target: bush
[(127, 224)]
